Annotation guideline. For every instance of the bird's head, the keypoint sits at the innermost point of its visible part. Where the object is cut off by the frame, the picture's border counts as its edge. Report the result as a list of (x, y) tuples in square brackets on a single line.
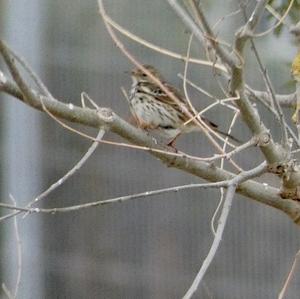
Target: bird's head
[(140, 76)]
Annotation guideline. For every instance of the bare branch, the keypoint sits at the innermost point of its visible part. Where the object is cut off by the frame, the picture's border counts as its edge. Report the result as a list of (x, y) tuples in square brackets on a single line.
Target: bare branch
[(280, 20), (161, 50), (89, 117), (272, 152), (196, 114), (216, 243), (208, 33), (275, 104), (289, 278), (284, 100), (10, 88), (239, 178), (72, 171), (232, 186), (7, 292), (61, 180), (145, 194), (19, 252)]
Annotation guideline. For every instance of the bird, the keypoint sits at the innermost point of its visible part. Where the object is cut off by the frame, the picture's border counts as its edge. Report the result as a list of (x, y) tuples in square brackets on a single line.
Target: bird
[(168, 113)]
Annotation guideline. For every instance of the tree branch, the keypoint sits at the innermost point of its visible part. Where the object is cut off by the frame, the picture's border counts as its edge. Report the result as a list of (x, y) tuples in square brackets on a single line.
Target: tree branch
[(273, 152), (284, 100), (105, 117), (232, 185)]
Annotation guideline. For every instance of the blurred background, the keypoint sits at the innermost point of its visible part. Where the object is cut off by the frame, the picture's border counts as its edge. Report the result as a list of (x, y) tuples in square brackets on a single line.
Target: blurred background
[(145, 248)]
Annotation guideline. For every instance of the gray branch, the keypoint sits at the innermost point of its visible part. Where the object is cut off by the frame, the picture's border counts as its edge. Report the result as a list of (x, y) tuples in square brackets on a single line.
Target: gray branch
[(265, 194)]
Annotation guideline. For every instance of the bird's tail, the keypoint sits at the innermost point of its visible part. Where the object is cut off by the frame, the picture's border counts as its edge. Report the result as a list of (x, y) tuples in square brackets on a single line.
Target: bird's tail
[(224, 134)]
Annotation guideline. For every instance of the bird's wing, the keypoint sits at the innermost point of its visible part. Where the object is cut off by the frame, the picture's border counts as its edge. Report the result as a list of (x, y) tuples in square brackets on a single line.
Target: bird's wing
[(166, 99)]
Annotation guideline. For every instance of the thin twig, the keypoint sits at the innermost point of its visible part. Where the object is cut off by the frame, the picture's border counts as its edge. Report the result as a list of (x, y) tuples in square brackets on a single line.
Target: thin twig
[(214, 220), (222, 102), (84, 96), (115, 199), (196, 114), (19, 251), (285, 100), (7, 292), (161, 50), (72, 171), (205, 128), (289, 278), (275, 14), (222, 18), (222, 166), (228, 156), (281, 20), (61, 180), (31, 73), (216, 243), (186, 64), (270, 89), (242, 177), (189, 22), (281, 99)]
